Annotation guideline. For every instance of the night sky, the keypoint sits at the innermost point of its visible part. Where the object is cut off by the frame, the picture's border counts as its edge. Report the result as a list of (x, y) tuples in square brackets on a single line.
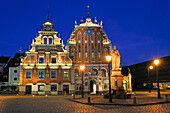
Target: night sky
[(139, 28)]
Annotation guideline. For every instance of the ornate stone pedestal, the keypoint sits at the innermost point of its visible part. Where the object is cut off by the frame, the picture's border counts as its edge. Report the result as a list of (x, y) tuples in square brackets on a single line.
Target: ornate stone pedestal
[(116, 76)]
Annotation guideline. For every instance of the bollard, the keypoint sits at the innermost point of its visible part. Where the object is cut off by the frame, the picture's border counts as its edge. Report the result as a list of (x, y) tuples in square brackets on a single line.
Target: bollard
[(134, 93), (65, 94), (85, 94), (165, 97), (134, 100), (73, 96), (88, 99)]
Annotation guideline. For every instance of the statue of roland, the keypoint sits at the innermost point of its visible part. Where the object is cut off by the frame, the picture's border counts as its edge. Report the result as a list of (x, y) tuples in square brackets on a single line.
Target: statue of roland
[(115, 59)]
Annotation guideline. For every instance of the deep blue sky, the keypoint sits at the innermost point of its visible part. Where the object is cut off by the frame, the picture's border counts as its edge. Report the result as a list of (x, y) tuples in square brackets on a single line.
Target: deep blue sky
[(139, 28)]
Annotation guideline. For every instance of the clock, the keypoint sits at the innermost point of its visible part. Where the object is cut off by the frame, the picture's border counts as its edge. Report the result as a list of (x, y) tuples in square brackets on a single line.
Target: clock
[(88, 31), (47, 28)]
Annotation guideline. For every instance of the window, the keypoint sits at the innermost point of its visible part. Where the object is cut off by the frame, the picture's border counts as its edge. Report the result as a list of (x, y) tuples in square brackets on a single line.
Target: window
[(15, 71), (28, 74), (79, 49), (53, 87), (65, 75), (53, 75), (41, 74), (99, 49), (45, 40), (15, 78), (41, 88), (92, 49), (16, 64), (53, 60), (106, 86), (86, 49), (103, 72), (41, 60), (78, 87), (50, 40), (76, 72)]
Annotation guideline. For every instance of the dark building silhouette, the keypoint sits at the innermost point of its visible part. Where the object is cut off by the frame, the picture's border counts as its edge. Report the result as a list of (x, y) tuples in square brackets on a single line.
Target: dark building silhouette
[(140, 74)]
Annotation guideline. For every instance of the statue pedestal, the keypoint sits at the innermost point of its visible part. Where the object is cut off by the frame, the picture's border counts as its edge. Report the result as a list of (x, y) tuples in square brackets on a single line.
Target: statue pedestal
[(117, 81)]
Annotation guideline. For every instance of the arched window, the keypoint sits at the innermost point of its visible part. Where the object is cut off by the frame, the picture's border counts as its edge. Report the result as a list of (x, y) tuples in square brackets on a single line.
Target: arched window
[(103, 72), (76, 72), (45, 40), (94, 72), (50, 41)]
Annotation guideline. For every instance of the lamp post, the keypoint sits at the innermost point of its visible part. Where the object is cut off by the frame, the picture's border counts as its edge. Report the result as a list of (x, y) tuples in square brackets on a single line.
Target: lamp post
[(108, 59), (82, 67), (150, 68), (156, 62)]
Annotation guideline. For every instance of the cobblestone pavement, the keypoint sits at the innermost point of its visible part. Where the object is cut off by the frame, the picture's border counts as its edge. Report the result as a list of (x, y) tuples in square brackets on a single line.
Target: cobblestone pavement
[(58, 104)]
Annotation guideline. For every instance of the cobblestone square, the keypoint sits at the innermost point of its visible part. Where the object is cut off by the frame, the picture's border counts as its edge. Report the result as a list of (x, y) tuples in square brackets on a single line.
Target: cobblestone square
[(60, 104)]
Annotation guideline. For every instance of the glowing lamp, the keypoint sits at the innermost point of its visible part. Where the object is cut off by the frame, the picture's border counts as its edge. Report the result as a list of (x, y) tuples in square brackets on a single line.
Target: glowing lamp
[(150, 67), (108, 58), (82, 67), (156, 61)]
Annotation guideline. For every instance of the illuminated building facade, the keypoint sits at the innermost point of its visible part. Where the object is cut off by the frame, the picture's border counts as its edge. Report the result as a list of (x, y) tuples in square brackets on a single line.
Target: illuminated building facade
[(46, 68), (89, 45)]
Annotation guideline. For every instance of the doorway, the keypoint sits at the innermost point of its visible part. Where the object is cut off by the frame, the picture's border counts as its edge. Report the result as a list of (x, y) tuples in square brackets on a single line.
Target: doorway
[(66, 88), (92, 87), (28, 89)]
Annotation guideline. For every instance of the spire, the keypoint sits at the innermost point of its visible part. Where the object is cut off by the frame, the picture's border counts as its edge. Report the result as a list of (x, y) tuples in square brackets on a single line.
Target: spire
[(48, 15), (88, 13), (81, 20)]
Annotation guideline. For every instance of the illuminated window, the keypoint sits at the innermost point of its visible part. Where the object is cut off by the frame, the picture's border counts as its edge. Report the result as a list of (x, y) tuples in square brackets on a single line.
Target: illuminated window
[(53, 87), (45, 40), (41, 74), (41, 88), (50, 40), (28, 74), (53, 60), (41, 60), (76, 72), (65, 75), (53, 74)]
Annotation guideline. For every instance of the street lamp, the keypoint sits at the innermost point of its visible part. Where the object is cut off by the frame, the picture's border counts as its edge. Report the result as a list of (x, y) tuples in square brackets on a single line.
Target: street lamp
[(156, 62), (108, 59), (82, 67), (150, 68)]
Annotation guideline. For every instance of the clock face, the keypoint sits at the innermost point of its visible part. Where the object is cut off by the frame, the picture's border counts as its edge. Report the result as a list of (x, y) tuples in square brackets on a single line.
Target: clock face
[(89, 31), (48, 28)]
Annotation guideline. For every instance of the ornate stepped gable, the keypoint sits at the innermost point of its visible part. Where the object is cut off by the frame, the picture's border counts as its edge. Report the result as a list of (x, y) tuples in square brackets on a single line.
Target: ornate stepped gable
[(47, 53), (89, 43)]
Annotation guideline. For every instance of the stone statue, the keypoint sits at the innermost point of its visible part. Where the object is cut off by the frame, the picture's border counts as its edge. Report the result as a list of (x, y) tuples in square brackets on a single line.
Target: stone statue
[(115, 58)]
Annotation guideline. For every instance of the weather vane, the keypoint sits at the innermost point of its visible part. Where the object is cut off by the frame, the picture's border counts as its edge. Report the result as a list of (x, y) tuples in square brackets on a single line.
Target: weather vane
[(88, 13)]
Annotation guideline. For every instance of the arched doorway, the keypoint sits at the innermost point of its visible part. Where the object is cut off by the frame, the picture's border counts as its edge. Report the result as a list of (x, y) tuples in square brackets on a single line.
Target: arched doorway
[(92, 86)]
